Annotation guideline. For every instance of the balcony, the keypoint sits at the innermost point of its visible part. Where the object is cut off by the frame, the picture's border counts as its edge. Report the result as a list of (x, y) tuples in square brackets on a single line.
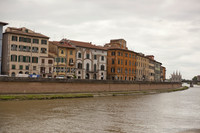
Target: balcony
[(71, 63)]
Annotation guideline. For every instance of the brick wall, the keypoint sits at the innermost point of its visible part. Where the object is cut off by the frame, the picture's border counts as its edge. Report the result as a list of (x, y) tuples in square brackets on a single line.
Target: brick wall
[(25, 85)]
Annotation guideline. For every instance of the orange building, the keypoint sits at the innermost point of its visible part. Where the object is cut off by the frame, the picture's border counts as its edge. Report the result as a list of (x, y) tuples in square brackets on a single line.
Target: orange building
[(121, 63)]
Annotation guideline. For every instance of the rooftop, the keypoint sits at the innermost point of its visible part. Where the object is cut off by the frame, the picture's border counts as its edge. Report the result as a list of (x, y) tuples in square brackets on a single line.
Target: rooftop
[(24, 31), (3, 23)]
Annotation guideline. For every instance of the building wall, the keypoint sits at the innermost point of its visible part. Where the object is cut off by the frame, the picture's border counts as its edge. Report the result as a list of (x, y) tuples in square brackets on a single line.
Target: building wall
[(9, 52), (157, 72), (142, 68), (151, 70), (121, 65), (91, 73), (46, 67)]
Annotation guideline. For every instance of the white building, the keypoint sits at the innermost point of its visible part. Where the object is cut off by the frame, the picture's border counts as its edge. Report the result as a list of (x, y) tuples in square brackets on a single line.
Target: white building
[(91, 60)]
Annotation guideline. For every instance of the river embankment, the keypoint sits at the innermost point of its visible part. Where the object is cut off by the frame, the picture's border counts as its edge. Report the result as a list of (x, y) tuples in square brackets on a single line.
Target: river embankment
[(85, 95)]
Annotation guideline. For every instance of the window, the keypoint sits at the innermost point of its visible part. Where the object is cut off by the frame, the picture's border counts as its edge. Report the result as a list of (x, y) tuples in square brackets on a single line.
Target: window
[(87, 67), (71, 52), (126, 70), (71, 60), (79, 65), (62, 52), (14, 47), (126, 55), (113, 61), (130, 55), (43, 50), (102, 67), (119, 53), (50, 61), (102, 58), (13, 74), (129, 70), (113, 53), (95, 57), (118, 61), (13, 66), (62, 60), (21, 47), (20, 58), (43, 60), (36, 41), (14, 58), (34, 67), (34, 59), (27, 67), (79, 55), (95, 67), (121, 62), (14, 38), (129, 63), (112, 69), (43, 41), (35, 49), (21, 67), (118, 70), (125, 62), (22, 39), (88, 56), (26, 58)]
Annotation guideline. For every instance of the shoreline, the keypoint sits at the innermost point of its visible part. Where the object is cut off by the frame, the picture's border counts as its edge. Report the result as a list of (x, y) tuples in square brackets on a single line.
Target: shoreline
[(8, 97)]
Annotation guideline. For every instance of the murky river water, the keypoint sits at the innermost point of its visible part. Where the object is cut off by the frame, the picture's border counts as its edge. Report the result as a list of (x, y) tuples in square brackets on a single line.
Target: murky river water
[(159, 113)]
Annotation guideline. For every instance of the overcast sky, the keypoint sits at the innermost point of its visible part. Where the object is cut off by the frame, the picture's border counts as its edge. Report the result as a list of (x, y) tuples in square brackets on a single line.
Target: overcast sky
[(167, 29)]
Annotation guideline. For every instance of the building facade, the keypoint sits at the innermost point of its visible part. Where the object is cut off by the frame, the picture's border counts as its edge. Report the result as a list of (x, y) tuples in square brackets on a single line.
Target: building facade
[(1, 38), (91, 60), (163, 74), (121, 62), (142, 68), (64, 56), (151, 68), (21, 51), (157, 71), (176, 77)]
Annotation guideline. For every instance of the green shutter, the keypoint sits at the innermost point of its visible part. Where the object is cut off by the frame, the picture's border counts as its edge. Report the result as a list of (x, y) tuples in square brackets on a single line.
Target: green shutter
[(24, 58), (29, 59), (11, 58), (36, 59), (15, 57)]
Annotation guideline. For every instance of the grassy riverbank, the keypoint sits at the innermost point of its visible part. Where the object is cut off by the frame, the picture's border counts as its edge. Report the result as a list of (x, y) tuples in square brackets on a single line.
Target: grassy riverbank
[(83, 95)]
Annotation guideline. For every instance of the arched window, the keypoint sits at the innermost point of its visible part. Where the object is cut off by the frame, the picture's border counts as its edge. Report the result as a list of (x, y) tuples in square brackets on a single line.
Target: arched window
[(87, 76), (95, 67), (20, 72), (87, 67), (26, 72), (79, 65), (102, 67), (13, 74)]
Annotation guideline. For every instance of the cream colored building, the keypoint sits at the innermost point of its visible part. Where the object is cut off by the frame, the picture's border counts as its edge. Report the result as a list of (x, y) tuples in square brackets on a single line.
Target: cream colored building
[(21, 51), (142, 68)]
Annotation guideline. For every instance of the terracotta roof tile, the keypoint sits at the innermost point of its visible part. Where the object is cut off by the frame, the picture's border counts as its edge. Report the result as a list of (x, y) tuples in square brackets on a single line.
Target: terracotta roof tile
[(19, 31), (86, 45), (61, 44)]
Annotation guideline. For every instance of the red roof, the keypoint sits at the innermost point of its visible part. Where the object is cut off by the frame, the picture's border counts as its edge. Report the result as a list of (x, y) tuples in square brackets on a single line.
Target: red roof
[(85, 45), (14, 30), (61, 44)]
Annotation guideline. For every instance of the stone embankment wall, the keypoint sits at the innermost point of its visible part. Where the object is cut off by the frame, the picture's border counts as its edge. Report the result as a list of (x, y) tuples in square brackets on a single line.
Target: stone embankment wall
[(10, 85)]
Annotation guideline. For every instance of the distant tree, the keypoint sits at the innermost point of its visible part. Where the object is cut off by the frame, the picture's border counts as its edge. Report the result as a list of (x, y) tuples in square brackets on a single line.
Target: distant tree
[(194, 78)]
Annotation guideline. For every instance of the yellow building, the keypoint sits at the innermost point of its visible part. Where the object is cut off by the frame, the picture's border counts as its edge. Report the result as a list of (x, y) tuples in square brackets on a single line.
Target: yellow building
[(142, 67), (64, 57)]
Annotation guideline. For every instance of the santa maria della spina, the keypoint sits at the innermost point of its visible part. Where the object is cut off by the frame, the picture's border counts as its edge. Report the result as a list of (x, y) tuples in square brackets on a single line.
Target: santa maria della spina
[(25, 52)]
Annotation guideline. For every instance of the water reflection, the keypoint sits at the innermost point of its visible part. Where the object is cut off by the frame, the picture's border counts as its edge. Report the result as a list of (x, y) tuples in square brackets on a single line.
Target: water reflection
[(160, 113)]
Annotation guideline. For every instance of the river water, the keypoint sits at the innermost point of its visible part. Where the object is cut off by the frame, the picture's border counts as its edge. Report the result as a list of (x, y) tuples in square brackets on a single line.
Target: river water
[(158, 113)]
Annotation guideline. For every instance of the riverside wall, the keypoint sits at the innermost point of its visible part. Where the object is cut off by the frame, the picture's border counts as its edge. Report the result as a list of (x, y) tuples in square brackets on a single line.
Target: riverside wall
[(10, 85)]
